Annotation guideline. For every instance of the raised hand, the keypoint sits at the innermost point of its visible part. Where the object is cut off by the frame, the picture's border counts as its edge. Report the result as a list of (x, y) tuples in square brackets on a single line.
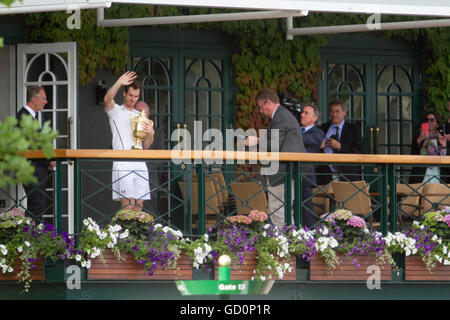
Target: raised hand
[(127, 78)]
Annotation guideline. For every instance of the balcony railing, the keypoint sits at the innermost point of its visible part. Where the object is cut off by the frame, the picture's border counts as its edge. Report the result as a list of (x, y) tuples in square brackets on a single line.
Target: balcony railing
[(198, 190)]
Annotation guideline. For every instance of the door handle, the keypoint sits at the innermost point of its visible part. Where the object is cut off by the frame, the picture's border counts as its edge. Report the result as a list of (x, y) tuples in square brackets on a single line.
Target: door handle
[(377, 140), (371, 140)]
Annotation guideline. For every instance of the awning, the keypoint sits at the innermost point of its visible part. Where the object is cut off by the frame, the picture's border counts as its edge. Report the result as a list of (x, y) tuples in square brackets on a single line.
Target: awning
[(265, 9), (436, 8)]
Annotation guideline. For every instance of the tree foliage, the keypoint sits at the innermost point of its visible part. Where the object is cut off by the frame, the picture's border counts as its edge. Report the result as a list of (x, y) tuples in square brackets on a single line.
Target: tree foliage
[(16, 139)]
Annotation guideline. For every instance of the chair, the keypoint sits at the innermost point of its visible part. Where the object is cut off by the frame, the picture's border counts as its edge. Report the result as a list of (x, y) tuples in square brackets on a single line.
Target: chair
[(212, 204), (353, 196), (431, 202), (249, 196), (409, 204), (321, 202), (220, 187)]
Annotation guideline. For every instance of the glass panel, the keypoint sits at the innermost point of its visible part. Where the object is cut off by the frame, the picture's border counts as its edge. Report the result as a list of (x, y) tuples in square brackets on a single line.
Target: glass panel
[(61, 122), (406, 108), (160, 72), (61, 143), (57, 66), (402, 80), (354, 78), (212, 74), (36, 68), (193, 72), (394, 150), (190, 102), (216, 103), (383, 132), (336, 76), (141, 68), (394, 132), (61, 97), (406, 132), (47, 76), (164, 101), (202, 102), (151, 99), (216, 123), (393, 108), (357, 107), (382, 105), (203, 83), (384, 78)]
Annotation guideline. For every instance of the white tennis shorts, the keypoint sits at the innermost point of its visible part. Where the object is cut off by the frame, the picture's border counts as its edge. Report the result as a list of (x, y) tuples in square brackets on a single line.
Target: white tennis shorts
[(130, 180)]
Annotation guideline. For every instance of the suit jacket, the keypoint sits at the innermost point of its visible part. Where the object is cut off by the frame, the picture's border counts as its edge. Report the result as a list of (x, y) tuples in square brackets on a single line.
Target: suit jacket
[(290, 140), (351, 142), (35, 162), (312, 139)]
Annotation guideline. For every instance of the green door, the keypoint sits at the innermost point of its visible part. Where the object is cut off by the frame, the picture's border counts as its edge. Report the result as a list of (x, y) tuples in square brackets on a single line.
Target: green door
[(379, 82)]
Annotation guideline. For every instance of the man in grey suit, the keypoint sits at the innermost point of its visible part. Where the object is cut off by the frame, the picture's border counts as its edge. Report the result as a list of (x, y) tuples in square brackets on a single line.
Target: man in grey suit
[(290, 140)]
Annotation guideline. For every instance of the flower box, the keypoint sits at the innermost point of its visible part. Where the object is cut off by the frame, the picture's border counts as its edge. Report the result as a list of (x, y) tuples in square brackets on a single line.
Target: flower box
[(346, 270), (244, 271), (113, 269), (416, 270), (36, 273)]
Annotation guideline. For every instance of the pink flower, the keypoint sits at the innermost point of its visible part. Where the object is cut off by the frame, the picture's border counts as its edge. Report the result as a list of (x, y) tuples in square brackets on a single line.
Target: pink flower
[(239, 219), (447, 219), (357, 222), (256, 215)]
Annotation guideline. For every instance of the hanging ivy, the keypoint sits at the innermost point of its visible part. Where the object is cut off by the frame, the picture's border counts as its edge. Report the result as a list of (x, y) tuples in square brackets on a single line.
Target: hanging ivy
[(262, 55)]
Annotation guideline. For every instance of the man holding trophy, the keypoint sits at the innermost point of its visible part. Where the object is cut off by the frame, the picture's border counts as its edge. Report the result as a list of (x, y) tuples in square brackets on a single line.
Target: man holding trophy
[(130, 130)]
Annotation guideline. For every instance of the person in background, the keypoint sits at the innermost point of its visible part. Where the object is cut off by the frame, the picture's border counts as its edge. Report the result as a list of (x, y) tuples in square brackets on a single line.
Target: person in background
[(154, 167), (340, 137), (429, 142), (446, 170), (36, 195), (312, 140), (290, 140)]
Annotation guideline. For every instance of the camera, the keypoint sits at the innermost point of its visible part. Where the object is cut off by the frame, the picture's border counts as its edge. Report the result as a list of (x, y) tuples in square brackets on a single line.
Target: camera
[(292, 105)]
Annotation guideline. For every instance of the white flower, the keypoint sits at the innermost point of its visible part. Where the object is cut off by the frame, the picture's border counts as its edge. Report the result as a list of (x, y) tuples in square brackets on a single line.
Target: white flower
[(20, 249), (78, 257), (263, 278), (124, 234), (27, 243), (20, 221), (3, 249)]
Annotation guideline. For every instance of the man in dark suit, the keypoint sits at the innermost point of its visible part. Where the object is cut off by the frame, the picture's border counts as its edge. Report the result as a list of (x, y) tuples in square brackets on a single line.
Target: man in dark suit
[(340, 137), (289, 140), (36, 195), (154, 167), (312, 139)]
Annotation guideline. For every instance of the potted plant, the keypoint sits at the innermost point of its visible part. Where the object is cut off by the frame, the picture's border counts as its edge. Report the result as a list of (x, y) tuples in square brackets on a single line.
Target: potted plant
[(346, 247), (133, 248), (426, 247), (259, 251), (24, 245)]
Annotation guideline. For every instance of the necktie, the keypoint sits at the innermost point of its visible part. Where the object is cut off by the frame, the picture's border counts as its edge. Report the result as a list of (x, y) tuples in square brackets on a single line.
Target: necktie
[(337, 133), (303, 130)]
